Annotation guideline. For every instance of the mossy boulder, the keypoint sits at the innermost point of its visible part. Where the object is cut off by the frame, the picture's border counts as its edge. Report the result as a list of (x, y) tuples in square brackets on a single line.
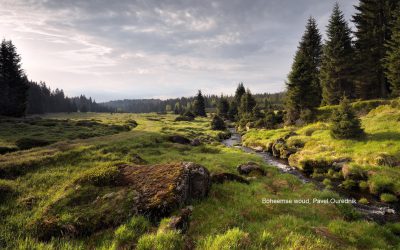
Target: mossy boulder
[(107, 196), (250, 168)]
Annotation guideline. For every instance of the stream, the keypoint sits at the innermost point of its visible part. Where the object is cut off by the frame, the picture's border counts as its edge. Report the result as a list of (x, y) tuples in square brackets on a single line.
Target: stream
[(378, 212)]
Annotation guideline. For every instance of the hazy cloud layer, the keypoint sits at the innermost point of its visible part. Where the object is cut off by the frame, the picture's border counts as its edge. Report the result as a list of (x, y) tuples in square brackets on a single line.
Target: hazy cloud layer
[(136, 49)]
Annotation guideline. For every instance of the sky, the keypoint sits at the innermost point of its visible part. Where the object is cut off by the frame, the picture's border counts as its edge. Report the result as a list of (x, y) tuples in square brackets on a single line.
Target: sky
[(129, 49)]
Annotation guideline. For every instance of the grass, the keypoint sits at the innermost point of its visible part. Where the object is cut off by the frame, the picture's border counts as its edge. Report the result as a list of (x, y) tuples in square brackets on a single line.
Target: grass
[(61, 179), (373, 158)]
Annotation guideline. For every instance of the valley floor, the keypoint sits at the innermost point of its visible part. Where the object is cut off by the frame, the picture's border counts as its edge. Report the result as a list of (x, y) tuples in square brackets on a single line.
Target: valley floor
[(64, 179)]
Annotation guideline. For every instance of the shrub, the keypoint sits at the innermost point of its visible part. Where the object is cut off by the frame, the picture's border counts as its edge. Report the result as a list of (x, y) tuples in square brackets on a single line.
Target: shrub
[(162, 240), (380, 183), (218, 123), (363, 201), (348, 184), (345, 124), (232, 239), (27, 143), (327, 182), (189, 113), (388, 198)]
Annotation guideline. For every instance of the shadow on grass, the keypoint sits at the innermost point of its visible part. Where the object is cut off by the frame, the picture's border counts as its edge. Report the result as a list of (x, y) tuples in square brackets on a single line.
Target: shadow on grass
[(384, 136)]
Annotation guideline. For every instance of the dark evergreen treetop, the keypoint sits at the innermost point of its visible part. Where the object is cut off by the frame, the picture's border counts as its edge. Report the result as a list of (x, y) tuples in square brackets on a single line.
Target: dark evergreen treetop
[(13, 82), (223, 107), (240, 91), (199, 105), (392, 58), (247, 103), (337, 61), (303, 86)]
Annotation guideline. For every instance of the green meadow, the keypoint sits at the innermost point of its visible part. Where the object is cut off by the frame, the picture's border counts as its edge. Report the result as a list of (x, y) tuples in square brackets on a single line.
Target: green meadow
[(43, 179)]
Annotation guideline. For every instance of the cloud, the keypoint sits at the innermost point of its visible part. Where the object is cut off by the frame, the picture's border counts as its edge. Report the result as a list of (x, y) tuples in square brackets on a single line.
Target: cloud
[(148, 48)]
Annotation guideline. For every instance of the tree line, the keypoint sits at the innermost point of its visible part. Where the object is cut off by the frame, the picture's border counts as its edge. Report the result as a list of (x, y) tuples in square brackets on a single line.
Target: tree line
[(19, 96), (364, 64), (182, 104)]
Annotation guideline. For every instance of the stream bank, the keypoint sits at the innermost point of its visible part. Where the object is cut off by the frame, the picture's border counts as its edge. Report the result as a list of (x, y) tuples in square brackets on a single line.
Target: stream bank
[(380, 213)]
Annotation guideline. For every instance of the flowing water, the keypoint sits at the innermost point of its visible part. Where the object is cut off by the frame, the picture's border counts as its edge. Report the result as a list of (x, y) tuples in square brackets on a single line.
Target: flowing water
[(378, 212)]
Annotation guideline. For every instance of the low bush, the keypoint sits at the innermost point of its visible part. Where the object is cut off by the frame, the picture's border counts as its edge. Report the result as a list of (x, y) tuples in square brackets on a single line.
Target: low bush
[(349, 184), (223, 135), (363, 201), (380, 184), (218, 123), (28, 143)]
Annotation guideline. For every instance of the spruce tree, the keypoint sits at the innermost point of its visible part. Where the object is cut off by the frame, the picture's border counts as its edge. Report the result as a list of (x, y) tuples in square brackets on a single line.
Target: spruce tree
[(13, 82), (303, 86), (177, 108), (199, 105), (240, 91), (372, 21), (247, 103), (345, 124), (337, 65), (233, 111), (218, 123), (223, 107), (392, 59)]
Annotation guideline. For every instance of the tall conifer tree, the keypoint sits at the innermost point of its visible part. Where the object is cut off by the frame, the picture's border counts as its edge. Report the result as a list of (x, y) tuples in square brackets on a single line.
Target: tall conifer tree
[(392, 59), (199, 105), (13, 82), (372, 21), (303, 86), (337, 66)]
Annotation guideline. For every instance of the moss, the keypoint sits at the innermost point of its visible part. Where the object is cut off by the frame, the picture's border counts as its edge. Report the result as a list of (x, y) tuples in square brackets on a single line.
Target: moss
[(99, 176), (349, 184), (388, 198), (327, 182)]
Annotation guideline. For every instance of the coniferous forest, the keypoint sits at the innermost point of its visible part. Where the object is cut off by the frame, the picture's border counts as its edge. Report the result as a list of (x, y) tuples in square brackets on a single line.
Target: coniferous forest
[(314, 166)]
